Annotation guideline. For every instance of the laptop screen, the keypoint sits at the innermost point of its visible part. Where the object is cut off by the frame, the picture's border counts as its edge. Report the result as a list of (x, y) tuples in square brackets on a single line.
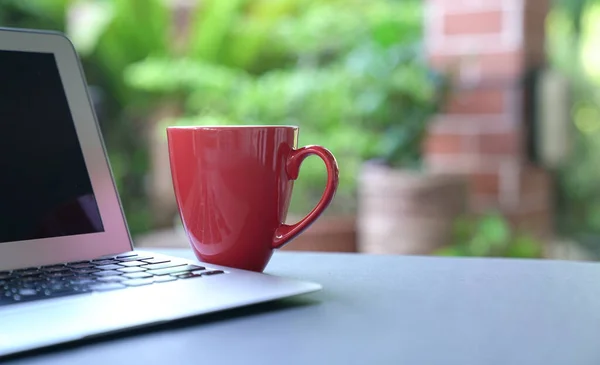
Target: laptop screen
[(45, 189)]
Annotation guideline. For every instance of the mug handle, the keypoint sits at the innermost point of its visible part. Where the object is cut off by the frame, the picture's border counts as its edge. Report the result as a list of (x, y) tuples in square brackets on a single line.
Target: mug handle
[(286, 233)]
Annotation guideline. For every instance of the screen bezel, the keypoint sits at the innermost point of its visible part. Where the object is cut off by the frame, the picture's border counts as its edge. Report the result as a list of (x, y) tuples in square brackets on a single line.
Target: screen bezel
[(115, 238)]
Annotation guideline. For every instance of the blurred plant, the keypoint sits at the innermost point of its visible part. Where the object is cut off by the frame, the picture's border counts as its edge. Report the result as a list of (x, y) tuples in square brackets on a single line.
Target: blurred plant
[(348, 72), (393, 92), (318, 100), (34, 14), (578, 180), (348, 77), (112, 35), (572, 43), (490, 236), (397, 94)]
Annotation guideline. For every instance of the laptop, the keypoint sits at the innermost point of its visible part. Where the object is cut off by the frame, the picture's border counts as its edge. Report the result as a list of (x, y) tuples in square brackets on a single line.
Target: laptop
[(68, 270)]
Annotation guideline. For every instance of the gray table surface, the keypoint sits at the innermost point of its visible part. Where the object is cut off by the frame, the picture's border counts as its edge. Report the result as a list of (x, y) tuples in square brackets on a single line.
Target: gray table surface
[(383, 310)]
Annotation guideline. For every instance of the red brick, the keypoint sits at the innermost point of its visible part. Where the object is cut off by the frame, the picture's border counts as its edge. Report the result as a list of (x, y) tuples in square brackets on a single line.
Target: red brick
[(485, 183), (536, 54), (497, 65), (482, 203), (534, 38), (472, 123), (534, 23), (466, 40), (464, 162), (473, 23), (445, 143), (535, 181), (461, 5), (538, 224), (505, 143), (483, 101), (502, 64), (534, 213), (537, 6)]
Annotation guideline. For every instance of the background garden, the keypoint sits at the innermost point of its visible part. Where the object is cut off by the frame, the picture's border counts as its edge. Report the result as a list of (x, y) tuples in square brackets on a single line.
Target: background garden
[(352, 74)]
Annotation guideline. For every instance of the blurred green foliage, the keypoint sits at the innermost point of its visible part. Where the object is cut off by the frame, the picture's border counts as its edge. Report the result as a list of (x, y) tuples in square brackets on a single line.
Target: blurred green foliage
[(490, 235), (572, 28), (350, 73), (33, 14)]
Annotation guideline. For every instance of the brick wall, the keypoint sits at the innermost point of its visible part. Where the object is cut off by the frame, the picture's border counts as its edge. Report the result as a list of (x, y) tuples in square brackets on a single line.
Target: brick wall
[(488, 46)]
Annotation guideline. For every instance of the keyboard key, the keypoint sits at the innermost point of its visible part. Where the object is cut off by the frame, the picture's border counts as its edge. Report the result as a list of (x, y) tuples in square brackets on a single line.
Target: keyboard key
[(155, 260), (111, 278), (105, 257), (81, 265), (85, 271), (137, 275), (175, 269), (185, 275), (71, 264), (60, 274), (107, 286), (135, 258), (164, 278), (164, 265), (31, 285), (81, 288), (131, 269), (107, 273), (29, 274), (25, 272), (137, 282), (54, 269), (128, 254), (104, 262), (212, 272), (101, 274), (58, 293), (27, 292), (16, 297), (50, 267), (58, 286), (108, 267), (132, 263), (82, 281)]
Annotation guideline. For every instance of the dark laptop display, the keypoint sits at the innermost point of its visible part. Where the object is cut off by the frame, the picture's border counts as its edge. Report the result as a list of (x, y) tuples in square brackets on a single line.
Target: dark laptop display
[(45, 189)]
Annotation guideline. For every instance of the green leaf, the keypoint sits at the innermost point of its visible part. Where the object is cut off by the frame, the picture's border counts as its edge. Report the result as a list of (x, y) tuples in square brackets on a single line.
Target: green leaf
[(525, 247), (212, 22), (494, 229), (452, 251)]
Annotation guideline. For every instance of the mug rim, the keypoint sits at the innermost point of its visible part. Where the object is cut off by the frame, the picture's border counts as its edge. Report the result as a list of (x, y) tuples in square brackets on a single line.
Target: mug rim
[(231, 126)]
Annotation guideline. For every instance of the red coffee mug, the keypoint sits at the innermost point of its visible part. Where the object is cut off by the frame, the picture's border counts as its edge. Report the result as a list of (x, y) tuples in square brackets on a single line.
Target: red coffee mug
[(233, 186)]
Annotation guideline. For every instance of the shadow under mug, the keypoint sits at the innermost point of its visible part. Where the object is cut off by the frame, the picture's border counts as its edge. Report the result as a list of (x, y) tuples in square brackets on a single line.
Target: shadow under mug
[(233, 186)]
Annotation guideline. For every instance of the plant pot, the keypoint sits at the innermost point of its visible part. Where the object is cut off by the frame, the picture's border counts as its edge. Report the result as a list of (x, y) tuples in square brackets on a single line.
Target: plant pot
[(327, 234), (407, 212)]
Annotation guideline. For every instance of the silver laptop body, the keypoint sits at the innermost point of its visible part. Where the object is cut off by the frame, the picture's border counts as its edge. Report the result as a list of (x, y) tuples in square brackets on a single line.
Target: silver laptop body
[(59, 204)]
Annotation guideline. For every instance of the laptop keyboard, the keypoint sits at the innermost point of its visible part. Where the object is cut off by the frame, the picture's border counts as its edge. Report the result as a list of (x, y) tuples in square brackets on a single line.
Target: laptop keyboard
[(104, 274)]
